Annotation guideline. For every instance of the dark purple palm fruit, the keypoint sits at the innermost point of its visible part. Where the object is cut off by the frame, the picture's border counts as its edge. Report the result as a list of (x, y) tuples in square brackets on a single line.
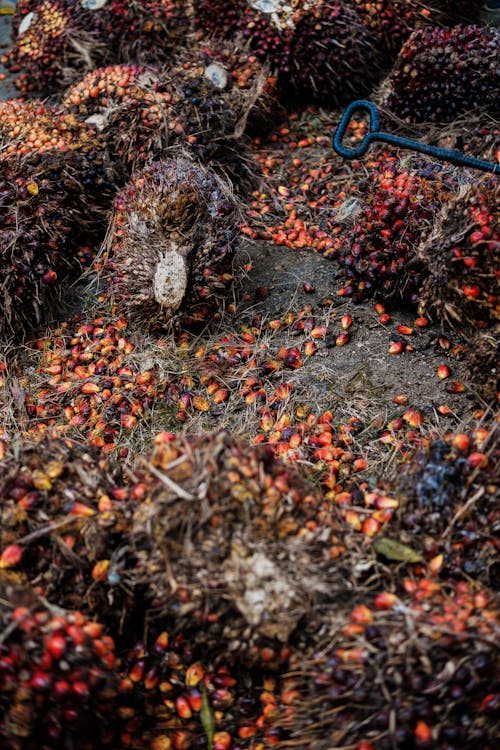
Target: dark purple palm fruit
[(171, 242), (54, 41), (448, 513), (441, 73), (146, 31), (461, 254), (415, 667), (56, 188), (58, 683), (332, 57), (217, 18)]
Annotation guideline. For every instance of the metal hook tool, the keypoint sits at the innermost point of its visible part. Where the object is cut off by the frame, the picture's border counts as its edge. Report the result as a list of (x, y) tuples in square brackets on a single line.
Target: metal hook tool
[(451, 155)]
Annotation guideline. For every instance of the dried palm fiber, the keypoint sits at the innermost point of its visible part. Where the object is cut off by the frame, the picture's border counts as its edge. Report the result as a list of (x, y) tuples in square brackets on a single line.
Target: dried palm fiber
[(332, 56), (392, 21), (58, 684), (448, 509), (63, 509), (146, 114), (235, 545), (170, 244), (441, 73), (53, 42), (243, 81), (414, 667), (145, 31), (461, 251), (56, 188)]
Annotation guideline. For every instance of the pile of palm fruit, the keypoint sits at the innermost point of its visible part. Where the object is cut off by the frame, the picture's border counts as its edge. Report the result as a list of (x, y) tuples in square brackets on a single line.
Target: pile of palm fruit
[(263, 585)]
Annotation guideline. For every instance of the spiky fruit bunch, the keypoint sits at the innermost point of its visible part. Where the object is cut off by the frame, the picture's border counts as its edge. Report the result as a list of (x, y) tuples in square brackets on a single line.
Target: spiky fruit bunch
[(146, 31), (242, 80), (461, 254), (143, 113), (28, 127), (392, 21), (54, 41), (171, 243), (53, 204), (332, 57), (232, 543), (395, 206), (217, 18), (440, 73), (62, 517), (448, 513), (434, 649), (130, 104), (57, 679), (176, 697)]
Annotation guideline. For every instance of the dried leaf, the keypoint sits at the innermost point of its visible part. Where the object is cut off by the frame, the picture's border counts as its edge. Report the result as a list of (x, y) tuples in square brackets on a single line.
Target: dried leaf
[(393, 550)]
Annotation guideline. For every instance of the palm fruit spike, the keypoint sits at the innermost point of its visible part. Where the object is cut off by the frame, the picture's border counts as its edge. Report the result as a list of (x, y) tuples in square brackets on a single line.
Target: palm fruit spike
[(54, 41), (434, 648), (461, 255), (331, 54), (146, 31), (57, 679), (441, 73), (234, 544), (55, 200), (171, 243), (433, 488)]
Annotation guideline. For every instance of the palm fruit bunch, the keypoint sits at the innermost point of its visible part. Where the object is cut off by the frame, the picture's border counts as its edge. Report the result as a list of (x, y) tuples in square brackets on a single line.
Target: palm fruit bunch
[(441, 73), (392, 21), (482, 358), (448, 513), (145, 31), (64, 516), (57, 678), (144, 113), (54, 40), (242, 80), (418, 669), (461, 253), (395, 206), (332, 57), (267, 25), (173, 696), (56, 187), (235, 546), (28, 127), (171, 242), (130, 105)]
